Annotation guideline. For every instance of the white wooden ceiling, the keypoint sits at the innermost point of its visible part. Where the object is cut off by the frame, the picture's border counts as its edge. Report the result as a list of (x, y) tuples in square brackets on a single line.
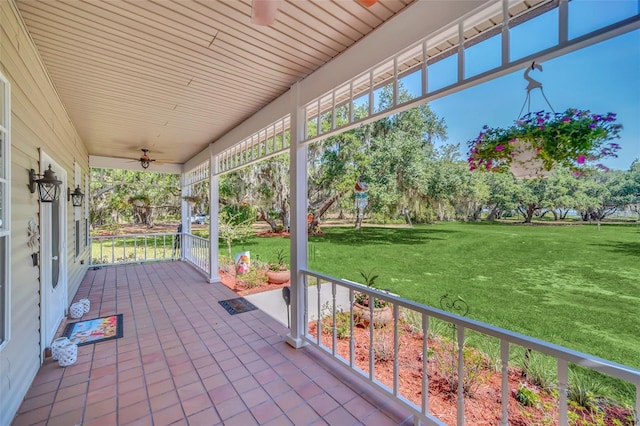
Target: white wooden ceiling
[(174, 75)]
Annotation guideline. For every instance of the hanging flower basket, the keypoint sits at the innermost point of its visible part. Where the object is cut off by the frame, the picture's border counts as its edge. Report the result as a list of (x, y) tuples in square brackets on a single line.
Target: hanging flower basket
[(541, 141)]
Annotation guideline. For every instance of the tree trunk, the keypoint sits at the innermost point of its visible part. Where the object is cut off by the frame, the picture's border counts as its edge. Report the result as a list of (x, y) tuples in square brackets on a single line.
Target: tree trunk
[(359, 217), (408, 216), (265, 217), (493, 214), (323, 209), (528, 212)]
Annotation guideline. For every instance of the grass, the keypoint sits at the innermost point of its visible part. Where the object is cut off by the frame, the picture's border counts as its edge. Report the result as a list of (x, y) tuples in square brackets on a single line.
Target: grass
[(571, 285)]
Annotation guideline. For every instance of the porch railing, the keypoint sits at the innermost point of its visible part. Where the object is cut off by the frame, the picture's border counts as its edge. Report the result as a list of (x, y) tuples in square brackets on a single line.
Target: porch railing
[(109, 250), (134, 248), (195, 250), (335, 325)]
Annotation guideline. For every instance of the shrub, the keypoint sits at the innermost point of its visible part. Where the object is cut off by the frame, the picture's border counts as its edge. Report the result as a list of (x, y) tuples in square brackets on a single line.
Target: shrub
[(343, 325), (383, 347), (539, 369), (528, 396), (584, 389), (446, 360), (253, 278)]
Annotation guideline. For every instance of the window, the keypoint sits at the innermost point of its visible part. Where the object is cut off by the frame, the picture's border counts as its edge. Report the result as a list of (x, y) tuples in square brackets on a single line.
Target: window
[(77, 239), (5, 213)]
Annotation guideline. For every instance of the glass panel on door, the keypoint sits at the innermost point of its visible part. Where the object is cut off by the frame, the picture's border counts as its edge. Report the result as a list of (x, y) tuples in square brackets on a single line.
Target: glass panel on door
[(55, 242)]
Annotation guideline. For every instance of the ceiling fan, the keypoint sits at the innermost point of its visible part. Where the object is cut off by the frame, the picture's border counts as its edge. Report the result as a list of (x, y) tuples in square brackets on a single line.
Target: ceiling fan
[(145, 160), (263, 12)]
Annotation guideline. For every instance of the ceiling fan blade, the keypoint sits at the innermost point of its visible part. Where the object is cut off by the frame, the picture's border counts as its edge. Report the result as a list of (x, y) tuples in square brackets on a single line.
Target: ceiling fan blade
[(263, 12)]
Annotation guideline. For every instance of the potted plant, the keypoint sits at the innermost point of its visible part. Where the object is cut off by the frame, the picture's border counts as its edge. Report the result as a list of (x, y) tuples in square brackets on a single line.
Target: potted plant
[(277, 272), (541, 141), (362, 304)]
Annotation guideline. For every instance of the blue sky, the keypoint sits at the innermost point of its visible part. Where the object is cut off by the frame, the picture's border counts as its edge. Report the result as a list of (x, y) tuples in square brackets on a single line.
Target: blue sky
[(601, 78)]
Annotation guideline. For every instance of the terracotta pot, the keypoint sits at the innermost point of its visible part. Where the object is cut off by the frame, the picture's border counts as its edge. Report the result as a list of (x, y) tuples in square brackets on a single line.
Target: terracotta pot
[(381, 316), (278, 277)]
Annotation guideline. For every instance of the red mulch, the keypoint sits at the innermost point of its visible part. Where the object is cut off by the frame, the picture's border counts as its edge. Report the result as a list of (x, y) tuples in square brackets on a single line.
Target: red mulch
[(482, 405), (229, 280)]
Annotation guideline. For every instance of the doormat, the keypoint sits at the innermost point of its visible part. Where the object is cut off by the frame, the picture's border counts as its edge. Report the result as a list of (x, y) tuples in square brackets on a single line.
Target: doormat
[(237, 305), (94, 330)]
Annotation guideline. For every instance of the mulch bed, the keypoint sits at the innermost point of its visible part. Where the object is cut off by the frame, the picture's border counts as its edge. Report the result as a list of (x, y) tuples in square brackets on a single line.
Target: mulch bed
[(482, 405)]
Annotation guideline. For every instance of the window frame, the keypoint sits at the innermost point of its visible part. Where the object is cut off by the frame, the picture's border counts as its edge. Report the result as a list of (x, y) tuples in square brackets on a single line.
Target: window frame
[(5, 195)]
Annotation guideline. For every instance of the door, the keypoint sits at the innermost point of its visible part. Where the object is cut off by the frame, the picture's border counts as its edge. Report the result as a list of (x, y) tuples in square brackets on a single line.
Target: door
[(53, 282)]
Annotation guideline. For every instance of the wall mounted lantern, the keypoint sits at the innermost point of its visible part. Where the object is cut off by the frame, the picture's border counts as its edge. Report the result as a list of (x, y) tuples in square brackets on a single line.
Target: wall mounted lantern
[(48, 185), (75, 197)]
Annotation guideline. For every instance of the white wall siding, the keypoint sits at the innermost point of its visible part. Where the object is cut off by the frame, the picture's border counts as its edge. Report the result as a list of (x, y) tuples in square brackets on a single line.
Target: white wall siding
[(39, 121)]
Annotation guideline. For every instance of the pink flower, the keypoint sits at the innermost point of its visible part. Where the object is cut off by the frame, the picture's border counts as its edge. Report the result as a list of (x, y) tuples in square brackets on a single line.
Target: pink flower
[(566, 119), (581, 159), (513, 141), (499, 148)]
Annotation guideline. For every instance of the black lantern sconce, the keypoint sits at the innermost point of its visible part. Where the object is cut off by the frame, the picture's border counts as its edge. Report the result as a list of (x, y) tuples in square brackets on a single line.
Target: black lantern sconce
[(48, 185), (75, 197)]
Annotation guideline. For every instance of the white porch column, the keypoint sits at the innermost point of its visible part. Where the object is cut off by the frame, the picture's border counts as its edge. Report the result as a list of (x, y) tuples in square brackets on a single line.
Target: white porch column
[(299, 237), (185, 212), (214, 210)]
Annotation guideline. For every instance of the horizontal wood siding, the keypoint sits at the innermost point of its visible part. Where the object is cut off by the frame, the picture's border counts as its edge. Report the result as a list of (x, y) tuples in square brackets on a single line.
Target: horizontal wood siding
[(39, 121)]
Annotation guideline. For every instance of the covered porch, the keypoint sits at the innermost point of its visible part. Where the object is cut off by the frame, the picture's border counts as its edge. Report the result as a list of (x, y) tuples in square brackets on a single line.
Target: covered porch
[(183, 360)]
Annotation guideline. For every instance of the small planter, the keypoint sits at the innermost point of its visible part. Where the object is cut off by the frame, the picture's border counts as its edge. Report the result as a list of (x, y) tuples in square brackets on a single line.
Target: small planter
[(68, 355), (381, 316), (278, 277)]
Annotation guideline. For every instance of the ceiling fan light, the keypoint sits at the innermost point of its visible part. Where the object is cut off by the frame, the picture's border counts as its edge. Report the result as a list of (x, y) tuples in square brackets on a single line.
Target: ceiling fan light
[(367, 3), (263, 12)]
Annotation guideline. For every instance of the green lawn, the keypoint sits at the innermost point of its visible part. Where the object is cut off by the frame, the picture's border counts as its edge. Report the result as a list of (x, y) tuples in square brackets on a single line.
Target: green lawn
[(571, 285)]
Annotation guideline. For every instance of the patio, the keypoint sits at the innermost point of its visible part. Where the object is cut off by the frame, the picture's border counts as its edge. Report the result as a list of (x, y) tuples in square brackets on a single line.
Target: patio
[(184, 360)]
